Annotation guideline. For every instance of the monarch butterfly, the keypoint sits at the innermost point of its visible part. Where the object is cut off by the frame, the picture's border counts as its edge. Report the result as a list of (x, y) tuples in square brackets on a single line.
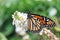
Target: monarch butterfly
[(37, 22)]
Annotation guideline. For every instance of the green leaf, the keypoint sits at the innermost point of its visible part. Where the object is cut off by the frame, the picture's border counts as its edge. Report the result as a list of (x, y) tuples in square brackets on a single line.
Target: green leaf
[(57, 28), (15, 37), (8, 29), (2, 36)]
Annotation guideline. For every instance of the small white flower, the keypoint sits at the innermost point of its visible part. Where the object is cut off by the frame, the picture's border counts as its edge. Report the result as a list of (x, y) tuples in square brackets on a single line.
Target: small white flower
[(49, 31), (20, 30), (45, 32), (56, 39), (22, 33), (41, 32), (23, 16), (26, 37), (12, 16), (17, 23), (48, 35), (52, 11)]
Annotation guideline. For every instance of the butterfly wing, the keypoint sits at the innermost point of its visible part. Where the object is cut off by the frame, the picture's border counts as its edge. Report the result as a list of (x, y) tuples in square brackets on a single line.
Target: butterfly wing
[(46, 22), (34, 24), (37, 22)]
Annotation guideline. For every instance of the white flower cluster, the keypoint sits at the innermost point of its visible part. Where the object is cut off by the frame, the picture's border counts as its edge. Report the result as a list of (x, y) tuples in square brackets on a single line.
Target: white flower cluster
[(44, 32), (20, 22), (49, 34), (26, 37)]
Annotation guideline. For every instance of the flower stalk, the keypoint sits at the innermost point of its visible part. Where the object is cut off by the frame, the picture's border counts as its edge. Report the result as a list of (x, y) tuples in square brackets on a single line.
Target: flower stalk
[(50, 35)]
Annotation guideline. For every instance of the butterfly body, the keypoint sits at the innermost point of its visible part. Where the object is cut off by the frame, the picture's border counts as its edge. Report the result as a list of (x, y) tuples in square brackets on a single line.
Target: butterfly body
[(37, 22)]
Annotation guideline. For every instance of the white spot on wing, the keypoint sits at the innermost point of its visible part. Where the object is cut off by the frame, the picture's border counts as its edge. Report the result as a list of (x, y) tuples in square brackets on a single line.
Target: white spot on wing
[(44, 18), (47, 19)]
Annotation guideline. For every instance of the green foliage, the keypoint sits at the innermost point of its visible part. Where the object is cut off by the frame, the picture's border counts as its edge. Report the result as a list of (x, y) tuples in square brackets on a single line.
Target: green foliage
[(41, 7), (7, 29), (2, 37)]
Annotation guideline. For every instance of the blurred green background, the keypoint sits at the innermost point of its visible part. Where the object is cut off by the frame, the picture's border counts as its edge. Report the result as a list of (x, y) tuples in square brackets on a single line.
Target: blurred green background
[(41, 7)]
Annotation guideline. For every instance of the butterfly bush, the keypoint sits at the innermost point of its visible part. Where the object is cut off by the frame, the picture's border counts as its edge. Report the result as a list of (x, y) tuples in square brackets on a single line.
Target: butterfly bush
[(20, 22), (49, 34)]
